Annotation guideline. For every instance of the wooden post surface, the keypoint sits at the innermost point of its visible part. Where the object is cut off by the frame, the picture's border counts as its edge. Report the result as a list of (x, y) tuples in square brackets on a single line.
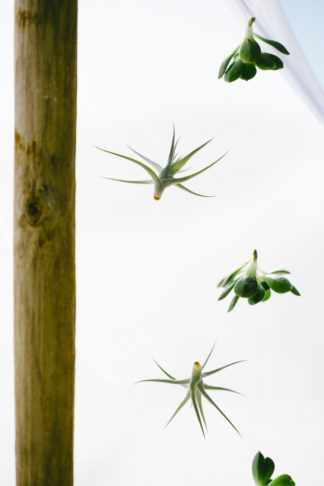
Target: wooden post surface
[(44, 239)]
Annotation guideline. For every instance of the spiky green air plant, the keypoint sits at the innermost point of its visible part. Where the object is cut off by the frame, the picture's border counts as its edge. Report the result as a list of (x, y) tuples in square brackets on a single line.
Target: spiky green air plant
[(245, 59), (196, 390), (165, 176), (262, 470), (252, 283)]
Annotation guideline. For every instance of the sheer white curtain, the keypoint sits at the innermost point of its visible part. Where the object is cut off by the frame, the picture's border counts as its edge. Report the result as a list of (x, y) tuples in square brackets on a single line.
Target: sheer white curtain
[(272, 23)]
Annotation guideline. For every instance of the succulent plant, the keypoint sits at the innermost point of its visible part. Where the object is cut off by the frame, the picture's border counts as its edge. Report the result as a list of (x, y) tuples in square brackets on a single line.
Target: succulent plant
[(262, 470), (245, 59), (164, 176), (252, 283), (197, 389)]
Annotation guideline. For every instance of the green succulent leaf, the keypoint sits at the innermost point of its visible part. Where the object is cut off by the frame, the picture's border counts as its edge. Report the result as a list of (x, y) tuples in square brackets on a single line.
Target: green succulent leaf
[(258, 296), (283, 480), (267, 295), (265, 61), (250, 50), (278, 62), (277, 45), (280, 272), (226, 292), (248, 71), (233, 303), (279, 284), (294, 290), (234, 71), (225, 63), (265, 285), (246, 287), (262, 469)]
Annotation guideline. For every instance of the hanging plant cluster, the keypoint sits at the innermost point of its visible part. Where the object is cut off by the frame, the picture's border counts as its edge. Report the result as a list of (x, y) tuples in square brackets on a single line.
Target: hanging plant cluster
[(197, 389), (165, 176), (252, 283), (248, 281), (262, 470), (247, 57)]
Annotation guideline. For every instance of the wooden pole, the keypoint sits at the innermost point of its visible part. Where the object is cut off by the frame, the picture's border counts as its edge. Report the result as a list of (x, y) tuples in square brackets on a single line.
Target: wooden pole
[(44, 239)]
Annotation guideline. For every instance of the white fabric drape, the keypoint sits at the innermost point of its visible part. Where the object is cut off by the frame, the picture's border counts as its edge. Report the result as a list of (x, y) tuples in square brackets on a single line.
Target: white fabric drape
[(272, 23)]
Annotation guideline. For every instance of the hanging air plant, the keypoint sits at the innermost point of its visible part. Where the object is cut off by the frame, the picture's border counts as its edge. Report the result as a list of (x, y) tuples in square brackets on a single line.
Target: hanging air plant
[(164, 177), (252, 283), (262, 470), (197, 389), (245, 59)]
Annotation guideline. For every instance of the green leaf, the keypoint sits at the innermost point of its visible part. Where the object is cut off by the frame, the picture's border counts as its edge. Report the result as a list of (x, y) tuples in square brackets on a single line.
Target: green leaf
[(267, 295), (265, 61), (163, 370), (209, 355), (208, 373), (153, 164), (184, 188), (248, 71), (265, 285), (283, 480), (258, 296), (278, 62), (195, 406), (209, 387), (226, 292), (246, 287), (279, 284), (172, 148), (148, 169), (176, 166), (275, 44), (280, 272), (250, 50), (294, 290), (182, 404), (226, 280), (186, 178), (172, 382), (204, 393), (234, 71), (129, 182), (225, 63), (198, 394), (262, 469), (233, 303)]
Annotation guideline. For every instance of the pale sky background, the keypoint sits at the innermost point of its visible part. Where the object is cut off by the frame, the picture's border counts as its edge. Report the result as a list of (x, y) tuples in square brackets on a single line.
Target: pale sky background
[(147, 271)]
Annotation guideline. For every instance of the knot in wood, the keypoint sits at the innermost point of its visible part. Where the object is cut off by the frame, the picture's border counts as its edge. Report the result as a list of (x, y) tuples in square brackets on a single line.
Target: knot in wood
[(34, 210)]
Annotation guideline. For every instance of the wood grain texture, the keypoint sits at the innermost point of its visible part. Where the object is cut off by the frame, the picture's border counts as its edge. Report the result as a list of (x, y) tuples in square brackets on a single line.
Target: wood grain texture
[(44, 239)]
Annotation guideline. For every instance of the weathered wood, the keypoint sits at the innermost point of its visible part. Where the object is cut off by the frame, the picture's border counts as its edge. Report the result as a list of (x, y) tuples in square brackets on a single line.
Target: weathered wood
[(44, 239)]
